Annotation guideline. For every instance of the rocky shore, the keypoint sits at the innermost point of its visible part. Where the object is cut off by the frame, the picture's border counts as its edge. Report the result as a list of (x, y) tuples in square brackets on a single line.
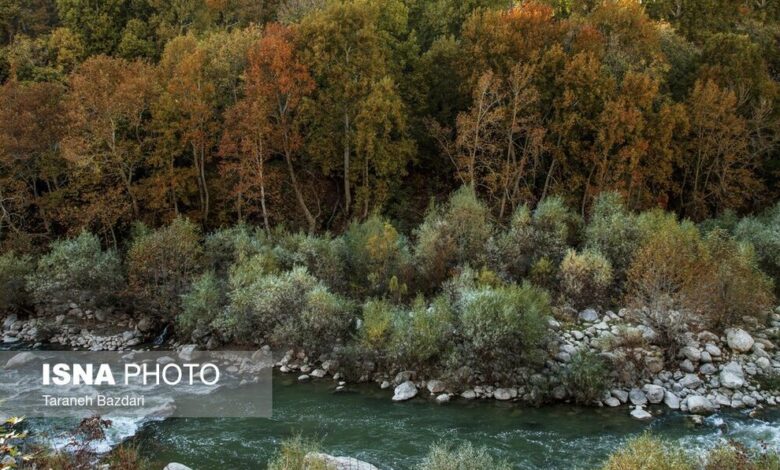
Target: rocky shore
[(710, 372)]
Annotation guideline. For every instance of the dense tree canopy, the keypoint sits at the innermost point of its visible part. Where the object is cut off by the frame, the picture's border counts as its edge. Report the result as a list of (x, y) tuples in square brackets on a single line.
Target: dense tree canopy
[(313, 113)]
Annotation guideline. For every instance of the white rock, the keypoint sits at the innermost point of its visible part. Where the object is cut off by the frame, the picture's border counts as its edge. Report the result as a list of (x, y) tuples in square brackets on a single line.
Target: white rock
[(698, 404), (712, 349), (654, 393), (621, 395), (637, 397), (443, 398), (20, 359), (739, 340), (612, 402), (186, 352), (468, 395), (671, 400), (435, 386), (176, 466), (692, 353), (640, 413), (503, 394), (589, 315), (732, 376), (336, 463), (690, 381), (405, 391), (303, 378), (319, 373)]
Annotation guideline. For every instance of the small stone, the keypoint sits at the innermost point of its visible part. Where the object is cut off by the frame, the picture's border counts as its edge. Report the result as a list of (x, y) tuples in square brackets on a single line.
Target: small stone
[(612, 402), (384, 385), (687, 366), (443, 398), (708, 369), (732, 376), (713, 350), (621, 395), (318, 373), (690, 381), (504, 394), (468, 395), (303, 378), (691, 353)]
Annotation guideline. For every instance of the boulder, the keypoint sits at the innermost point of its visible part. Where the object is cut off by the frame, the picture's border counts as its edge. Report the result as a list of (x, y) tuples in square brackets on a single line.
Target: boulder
[(691, 381), (176, 466), (691, 353), (336, 463), (404, 376), (637, 397), (503, 394), (589, 315), (20, 359), (469, 395), (671, 400), (621, 395), (698, 404), (443, 398), (654, 393), (612, 402), (739, 340), (732, 376), (713, 350), (405, 391), (436, 386), (708, 369), (640, 413), (186, 352), (318, 373)]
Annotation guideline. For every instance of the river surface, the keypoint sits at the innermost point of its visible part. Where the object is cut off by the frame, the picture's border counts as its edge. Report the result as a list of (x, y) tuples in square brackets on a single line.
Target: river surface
[(366, 424)]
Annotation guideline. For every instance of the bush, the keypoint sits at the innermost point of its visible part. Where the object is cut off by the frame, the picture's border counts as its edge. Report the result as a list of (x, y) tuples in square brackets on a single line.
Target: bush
[(375, 254), (762, 232), (77, 270), (665, 271), (226, 247), (287, 309), (201, 305), (321, 256), (423, 333), (464, 457), (378, 319), (454, 236), (613, 231), (648, 453), (734, 287), (497, 322), (587, 376), (585, 279), (544, 234), (162, 265), (13, 271)]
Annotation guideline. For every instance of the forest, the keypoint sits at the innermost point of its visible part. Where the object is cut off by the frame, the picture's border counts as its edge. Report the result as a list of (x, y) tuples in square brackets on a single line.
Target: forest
[(309, 114)]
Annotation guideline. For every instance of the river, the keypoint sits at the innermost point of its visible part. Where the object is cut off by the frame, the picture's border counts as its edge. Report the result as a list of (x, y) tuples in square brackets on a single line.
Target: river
[(366, 424)]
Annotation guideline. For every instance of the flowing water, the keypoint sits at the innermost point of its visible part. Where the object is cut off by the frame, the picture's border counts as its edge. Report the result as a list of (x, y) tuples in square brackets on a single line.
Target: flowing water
[(366, 424)]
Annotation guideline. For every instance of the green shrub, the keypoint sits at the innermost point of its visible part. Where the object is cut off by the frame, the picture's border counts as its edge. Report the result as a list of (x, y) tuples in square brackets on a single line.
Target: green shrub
[(587, 376), (287, 309), (225, 247), (423, 333), (77, 270), (497, 322), (648, 453), (162, 264), (763, 233), (544, 234), (375, 254), (613, 231), (201, 305), (379, 317), (320, 255), (453, 236), (463, 457), (585, 279), (13, 271)]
